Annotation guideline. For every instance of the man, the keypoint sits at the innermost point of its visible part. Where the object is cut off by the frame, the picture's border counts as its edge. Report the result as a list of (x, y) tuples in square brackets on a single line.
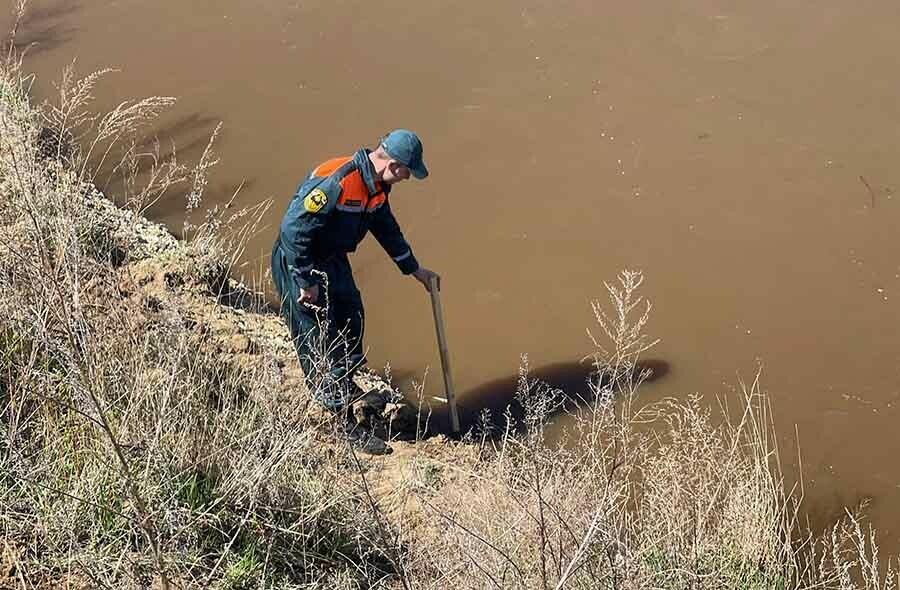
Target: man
[(333, 210)]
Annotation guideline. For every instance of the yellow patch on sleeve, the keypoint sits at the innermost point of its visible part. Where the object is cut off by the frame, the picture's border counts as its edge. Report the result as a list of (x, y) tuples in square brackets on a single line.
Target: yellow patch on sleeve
[(315, 200)]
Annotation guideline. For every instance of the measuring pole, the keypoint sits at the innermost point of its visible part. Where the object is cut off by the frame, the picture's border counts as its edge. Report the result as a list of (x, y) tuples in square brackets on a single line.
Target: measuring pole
[(445, 354)]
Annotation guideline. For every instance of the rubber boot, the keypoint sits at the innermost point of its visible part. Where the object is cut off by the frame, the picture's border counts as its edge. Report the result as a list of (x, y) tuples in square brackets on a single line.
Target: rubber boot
[(363, 439)]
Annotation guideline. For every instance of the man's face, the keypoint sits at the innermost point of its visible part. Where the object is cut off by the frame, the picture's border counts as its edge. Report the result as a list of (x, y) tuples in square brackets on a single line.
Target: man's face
[(395, 172)]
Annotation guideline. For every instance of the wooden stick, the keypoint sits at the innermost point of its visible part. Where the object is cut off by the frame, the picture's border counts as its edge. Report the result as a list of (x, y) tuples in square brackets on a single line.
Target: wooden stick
[(445, 354)]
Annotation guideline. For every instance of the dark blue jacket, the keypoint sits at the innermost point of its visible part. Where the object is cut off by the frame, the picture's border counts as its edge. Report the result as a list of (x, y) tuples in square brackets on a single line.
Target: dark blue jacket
[(333, 210)]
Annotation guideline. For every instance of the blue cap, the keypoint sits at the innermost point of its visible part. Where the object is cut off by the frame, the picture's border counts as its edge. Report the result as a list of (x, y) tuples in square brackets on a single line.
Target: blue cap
[(405, 147)]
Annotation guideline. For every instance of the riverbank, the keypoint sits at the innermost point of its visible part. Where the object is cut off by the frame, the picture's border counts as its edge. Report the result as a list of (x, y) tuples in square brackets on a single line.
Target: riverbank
[(157, 431)]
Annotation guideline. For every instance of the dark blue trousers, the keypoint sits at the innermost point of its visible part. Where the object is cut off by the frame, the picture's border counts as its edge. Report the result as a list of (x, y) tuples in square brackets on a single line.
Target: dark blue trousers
[(328, 335)]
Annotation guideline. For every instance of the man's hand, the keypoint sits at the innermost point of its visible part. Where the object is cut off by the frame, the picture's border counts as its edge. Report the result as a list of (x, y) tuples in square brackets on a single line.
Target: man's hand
[(423, 275), (310, 295)]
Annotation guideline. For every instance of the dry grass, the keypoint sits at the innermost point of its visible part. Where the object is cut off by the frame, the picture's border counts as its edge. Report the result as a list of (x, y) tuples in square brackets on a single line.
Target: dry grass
[(637, 495), (131, 458), (653, 496)]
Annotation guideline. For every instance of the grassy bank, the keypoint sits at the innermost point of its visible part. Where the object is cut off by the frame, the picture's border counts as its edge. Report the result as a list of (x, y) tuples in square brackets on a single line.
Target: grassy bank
[(131, 452), (154, 436)]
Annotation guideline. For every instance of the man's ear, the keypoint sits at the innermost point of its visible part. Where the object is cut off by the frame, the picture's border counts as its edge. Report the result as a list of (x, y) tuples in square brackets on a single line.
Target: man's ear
[(382, 154)]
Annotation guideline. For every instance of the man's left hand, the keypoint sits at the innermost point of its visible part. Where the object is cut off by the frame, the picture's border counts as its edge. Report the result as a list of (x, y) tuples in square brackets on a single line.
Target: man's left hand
[(424, 275)]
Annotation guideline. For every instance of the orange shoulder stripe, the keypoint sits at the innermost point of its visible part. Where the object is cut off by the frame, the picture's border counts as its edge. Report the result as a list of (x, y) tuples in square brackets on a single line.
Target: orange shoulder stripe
[(328, 167)]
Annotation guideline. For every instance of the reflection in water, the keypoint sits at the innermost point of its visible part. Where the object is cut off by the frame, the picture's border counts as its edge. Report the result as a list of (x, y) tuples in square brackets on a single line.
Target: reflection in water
[(186, 138), (45, 28), (497, 399), (821, 514)]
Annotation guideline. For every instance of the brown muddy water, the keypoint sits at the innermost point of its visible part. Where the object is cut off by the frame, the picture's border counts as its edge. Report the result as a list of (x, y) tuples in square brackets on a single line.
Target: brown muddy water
[(744, 155)]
